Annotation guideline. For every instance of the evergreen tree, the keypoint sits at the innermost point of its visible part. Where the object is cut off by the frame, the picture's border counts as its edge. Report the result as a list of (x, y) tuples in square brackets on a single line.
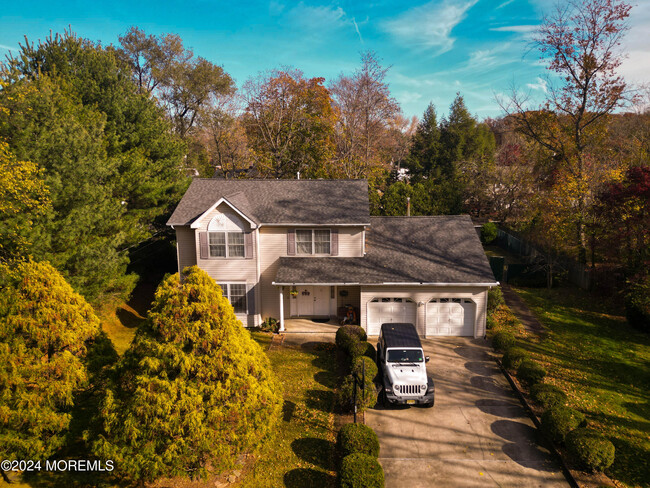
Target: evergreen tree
[(194, 389), (45, 329), (107, 153), (425, 148), (23, 196)]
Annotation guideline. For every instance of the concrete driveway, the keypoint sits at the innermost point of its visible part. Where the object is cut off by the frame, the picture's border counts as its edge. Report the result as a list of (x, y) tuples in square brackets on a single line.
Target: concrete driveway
[(477, 434)]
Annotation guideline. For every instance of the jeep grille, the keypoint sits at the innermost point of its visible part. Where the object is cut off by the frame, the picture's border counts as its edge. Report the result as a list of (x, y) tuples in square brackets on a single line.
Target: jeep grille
[(410, 389)]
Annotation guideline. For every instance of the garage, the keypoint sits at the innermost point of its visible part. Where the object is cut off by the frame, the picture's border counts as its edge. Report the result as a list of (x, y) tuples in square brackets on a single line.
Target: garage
[(392, 309), (450, 317)]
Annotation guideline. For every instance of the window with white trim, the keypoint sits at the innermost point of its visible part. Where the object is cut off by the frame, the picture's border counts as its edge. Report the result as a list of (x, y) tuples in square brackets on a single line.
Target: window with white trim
[(236, 295), (226, 244), (313, 241)]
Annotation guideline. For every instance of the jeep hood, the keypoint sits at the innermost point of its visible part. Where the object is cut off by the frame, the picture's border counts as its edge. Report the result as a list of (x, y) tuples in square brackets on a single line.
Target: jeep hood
[(407, 374)]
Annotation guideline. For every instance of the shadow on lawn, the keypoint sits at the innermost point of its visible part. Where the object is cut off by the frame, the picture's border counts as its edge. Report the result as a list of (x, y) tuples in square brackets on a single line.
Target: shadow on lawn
[(302, 477), (315, 451)]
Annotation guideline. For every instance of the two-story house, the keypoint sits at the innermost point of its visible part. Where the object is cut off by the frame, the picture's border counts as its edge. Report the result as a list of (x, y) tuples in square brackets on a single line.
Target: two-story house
[(308, 248)]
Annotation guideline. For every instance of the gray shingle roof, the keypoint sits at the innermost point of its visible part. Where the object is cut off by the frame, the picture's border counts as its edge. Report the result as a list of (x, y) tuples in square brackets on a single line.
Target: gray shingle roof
[(279, 201), (443, 249)]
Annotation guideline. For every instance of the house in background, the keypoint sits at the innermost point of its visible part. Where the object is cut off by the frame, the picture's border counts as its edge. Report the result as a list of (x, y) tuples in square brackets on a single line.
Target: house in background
[(309, 248)]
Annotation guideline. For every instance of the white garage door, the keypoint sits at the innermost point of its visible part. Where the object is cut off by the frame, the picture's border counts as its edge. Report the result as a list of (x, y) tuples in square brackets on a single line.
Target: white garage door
[(385, 310), (450, 317)]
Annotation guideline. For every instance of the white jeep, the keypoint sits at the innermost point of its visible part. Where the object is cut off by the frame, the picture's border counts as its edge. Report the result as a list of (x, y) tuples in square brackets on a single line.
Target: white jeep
[(402, 369)]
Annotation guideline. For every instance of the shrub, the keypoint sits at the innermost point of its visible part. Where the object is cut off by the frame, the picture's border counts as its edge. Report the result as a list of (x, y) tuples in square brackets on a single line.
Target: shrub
[(637, 304), (191, 369), (371, 367), (271, 325), (354, 438), (530, 372), (490, 322), (366, 396), (361, 471), (503, 340), (48, 334), (370, 352), (488, 232), (495, 299), (591, 449), (348, 337), (513, 357), (548, 396), (557, 422)]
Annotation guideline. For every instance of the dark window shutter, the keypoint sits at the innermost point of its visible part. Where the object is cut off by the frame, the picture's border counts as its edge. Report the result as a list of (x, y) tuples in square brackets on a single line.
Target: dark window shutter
[(248, 245), (250, 299), (291, 242), (334, 244), (203, 245)]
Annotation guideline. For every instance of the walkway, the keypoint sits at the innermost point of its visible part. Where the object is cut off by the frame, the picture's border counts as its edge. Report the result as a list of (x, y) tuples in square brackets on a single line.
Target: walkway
[(521, 310)]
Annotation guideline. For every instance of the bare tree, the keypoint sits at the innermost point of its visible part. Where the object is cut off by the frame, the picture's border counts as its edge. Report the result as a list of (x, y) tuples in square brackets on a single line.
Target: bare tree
[(365, 110)]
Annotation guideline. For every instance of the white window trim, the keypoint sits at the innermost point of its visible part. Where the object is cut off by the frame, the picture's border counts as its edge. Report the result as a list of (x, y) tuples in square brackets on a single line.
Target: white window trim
[(313, 243), (226, 232), (226, 293)]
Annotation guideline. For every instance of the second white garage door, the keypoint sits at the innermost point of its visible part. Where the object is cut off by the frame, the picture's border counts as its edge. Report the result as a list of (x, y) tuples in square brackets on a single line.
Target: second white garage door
[(450, 317), (390, 310)]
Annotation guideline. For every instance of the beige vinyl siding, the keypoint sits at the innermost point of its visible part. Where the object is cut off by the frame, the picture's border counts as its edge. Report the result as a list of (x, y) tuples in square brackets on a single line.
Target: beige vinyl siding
[(422, 294), (353, 297), (229, 270), (273, 245), (350, 241), (185, 247)]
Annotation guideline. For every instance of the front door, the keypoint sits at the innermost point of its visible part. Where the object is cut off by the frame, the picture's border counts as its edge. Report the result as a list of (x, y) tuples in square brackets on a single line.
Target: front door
[(313, 301)]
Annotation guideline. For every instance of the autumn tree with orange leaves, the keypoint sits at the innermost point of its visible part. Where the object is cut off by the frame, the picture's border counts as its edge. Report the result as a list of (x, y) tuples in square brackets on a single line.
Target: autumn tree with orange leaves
[(289, 121)]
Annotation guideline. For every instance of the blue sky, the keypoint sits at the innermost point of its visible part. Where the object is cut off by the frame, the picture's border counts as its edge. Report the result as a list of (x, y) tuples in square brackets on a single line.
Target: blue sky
[(435, 49)]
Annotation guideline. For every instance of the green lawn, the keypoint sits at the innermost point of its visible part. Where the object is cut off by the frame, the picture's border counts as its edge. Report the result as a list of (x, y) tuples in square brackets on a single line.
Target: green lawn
[(302, 452), (604, 367)]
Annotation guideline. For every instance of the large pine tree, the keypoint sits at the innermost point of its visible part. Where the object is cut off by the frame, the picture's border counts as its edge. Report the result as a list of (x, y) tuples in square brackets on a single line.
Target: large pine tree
[(194, 389), (107, 154)]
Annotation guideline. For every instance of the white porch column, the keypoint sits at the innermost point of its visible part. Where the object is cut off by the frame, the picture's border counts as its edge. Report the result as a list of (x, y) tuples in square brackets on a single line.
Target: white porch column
[(281, 309)]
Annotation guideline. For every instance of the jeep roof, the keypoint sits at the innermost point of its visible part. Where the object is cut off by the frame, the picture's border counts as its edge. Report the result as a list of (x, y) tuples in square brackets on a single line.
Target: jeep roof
[(400, 335)]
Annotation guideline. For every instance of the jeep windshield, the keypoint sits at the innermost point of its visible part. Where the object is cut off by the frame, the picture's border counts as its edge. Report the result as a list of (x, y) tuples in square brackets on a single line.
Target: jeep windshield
[(405, 356)]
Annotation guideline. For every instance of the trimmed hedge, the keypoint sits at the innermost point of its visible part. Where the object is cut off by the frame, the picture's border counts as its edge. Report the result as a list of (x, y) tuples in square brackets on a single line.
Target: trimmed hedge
[(345, 395), (591, 449), (370, 352), (361, 471), (353, 438), (557, 422), (371, 367), (503, 340), (513, 357), (530, 372), (548, 396), (495, 299), (351, 339)]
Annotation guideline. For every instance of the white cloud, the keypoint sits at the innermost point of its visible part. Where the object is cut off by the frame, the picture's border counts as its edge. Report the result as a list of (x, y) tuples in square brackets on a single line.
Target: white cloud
[(507, 2), (541, 85), (356, 27), (317, 17), (520, 29), (9, 48), (636, 67), (429, 26)]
